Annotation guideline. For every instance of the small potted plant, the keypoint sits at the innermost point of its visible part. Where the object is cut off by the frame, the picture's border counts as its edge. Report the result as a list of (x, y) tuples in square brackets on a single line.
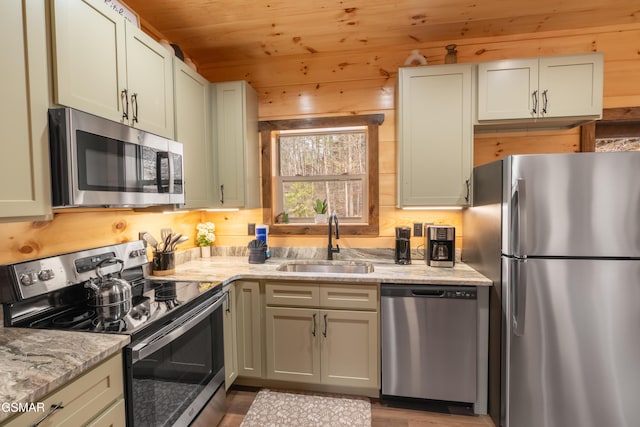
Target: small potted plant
[(205, 238), (320, 208)]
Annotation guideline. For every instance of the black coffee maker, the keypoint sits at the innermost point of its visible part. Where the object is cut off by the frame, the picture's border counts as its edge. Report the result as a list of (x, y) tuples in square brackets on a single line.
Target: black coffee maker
[(403, 245)]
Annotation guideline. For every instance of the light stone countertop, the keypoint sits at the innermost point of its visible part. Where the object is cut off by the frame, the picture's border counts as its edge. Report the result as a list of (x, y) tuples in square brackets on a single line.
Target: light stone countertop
[(229, 268), (35, 362)]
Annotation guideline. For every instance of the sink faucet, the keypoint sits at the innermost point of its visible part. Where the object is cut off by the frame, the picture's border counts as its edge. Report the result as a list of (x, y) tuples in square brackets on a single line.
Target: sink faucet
[(331, 250)]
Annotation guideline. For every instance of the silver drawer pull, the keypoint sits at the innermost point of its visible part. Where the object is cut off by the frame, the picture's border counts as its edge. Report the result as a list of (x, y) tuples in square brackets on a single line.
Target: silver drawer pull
[(52, 411)]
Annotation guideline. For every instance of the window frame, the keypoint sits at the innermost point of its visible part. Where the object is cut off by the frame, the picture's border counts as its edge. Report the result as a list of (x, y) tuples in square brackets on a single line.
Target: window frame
[(269, 181)]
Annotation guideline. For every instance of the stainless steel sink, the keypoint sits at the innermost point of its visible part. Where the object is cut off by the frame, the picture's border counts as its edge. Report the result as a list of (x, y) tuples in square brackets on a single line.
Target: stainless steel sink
[(347, 267)]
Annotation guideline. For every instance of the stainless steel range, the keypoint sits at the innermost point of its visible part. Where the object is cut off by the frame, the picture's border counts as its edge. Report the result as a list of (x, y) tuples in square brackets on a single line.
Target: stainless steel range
[(174, 364)]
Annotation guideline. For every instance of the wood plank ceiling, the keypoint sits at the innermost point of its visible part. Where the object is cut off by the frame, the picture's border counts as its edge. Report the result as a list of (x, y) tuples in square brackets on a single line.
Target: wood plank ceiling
[(215, 32)]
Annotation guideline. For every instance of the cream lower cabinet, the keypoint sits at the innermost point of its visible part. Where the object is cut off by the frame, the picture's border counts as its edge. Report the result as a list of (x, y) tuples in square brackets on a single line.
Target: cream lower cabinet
[(93, 399), (24, 147), (326, 344), (230, 337), (249, 328)]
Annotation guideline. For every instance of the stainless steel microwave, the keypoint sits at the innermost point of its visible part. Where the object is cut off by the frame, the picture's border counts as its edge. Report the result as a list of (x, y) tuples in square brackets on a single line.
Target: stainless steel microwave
[(96, 162)]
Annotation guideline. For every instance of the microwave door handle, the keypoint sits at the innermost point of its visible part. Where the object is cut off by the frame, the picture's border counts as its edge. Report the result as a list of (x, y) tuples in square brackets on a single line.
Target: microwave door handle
[(172, 173), (160, 156), (163, 337)]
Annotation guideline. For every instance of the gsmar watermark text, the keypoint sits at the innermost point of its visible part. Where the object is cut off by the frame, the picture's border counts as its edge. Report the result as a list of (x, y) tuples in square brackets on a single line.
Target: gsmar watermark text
[(22, 407)]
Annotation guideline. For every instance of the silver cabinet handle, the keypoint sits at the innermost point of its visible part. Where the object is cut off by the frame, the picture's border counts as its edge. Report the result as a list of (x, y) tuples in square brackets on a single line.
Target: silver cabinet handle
[(324, 332), (52, 411), (468, 184), (124, 101), (134, 107), (313, 331), (545, 101)]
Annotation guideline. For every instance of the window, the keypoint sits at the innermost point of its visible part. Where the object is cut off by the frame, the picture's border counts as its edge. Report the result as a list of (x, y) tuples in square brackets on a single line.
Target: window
[(333, 159), (322, 164)]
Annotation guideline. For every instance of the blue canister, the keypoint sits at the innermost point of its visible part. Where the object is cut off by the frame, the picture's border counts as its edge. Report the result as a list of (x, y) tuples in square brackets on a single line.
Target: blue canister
[(262, 233)]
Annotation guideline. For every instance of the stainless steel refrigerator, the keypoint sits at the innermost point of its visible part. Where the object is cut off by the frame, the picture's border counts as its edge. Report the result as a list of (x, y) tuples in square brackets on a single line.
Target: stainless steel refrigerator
[(560, 236)]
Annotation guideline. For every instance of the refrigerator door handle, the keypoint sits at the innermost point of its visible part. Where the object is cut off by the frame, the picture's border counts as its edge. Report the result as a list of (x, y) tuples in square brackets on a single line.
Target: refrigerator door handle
[(518, 297), (518, 217)]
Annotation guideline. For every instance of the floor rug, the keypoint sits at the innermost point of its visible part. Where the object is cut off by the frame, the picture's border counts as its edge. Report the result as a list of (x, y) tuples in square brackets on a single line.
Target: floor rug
[(281, 409)]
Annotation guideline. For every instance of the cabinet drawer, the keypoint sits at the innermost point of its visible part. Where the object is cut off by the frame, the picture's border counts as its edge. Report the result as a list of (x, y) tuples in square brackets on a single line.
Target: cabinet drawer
[(83, 399), (292, 294), (352, 297)]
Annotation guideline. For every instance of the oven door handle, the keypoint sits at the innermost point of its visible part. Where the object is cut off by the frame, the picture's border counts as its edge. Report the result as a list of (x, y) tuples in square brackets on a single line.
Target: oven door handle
[(172, 332)]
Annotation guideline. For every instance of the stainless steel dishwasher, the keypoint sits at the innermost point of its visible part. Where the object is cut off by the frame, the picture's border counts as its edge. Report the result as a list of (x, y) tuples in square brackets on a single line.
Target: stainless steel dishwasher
[(429, 338)]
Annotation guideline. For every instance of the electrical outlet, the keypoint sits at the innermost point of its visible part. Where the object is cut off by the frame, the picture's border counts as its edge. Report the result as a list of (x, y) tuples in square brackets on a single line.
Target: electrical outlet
[(417, 229), (251, 229), (140, 234)]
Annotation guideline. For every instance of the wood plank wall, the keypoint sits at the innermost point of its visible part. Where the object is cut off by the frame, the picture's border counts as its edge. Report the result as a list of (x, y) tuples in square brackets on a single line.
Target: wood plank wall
[(363, 82), (360, 82)]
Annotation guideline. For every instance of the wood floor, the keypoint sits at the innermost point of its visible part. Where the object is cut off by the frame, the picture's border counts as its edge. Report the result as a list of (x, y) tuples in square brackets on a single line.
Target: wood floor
[(239, 400)]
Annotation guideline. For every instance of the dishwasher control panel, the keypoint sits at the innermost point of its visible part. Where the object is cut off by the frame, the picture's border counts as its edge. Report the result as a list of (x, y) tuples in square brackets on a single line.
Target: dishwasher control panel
[(465, 294)]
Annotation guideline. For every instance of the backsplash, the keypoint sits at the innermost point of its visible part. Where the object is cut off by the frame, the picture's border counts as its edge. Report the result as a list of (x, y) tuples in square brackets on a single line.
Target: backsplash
[(378, 254)]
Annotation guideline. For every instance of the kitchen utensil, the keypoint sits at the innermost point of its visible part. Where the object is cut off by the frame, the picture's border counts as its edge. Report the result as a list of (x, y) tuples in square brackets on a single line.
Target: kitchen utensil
[(256, 244), (174, 239), (180, 241), (164, 233), (150, 240), (111, 295)]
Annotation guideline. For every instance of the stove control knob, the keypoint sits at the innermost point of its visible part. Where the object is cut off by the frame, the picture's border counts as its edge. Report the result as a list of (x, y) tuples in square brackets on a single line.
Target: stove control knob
[(28, 279), (45, 275), (137, 253)]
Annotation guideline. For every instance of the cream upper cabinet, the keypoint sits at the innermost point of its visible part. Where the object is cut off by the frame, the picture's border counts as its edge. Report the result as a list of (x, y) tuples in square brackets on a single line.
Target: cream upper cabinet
[(249, 328), (435, 135), (326, 344), (236, 150), (24, 163), (230, 337), (149, 83), (192, 112), (541, 88), (106, 66)]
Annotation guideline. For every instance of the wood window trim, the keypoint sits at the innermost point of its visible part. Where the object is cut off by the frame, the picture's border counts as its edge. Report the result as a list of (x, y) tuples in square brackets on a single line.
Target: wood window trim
[(372, 121), (615, 123)]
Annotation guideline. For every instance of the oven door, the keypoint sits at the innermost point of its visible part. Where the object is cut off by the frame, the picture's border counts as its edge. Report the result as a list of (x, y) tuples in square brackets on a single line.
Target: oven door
[(173, 373)]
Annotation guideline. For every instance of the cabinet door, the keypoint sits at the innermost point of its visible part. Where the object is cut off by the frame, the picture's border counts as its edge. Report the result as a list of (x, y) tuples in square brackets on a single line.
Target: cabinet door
[(230, 338), (24, 163), (236, 147), (571, 85), (508, 89), (350, 349), (192, 112), (114, 416), (292, 344), (149, 82), (84, 399), (249, 329), (89, 57), (435, 135)]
